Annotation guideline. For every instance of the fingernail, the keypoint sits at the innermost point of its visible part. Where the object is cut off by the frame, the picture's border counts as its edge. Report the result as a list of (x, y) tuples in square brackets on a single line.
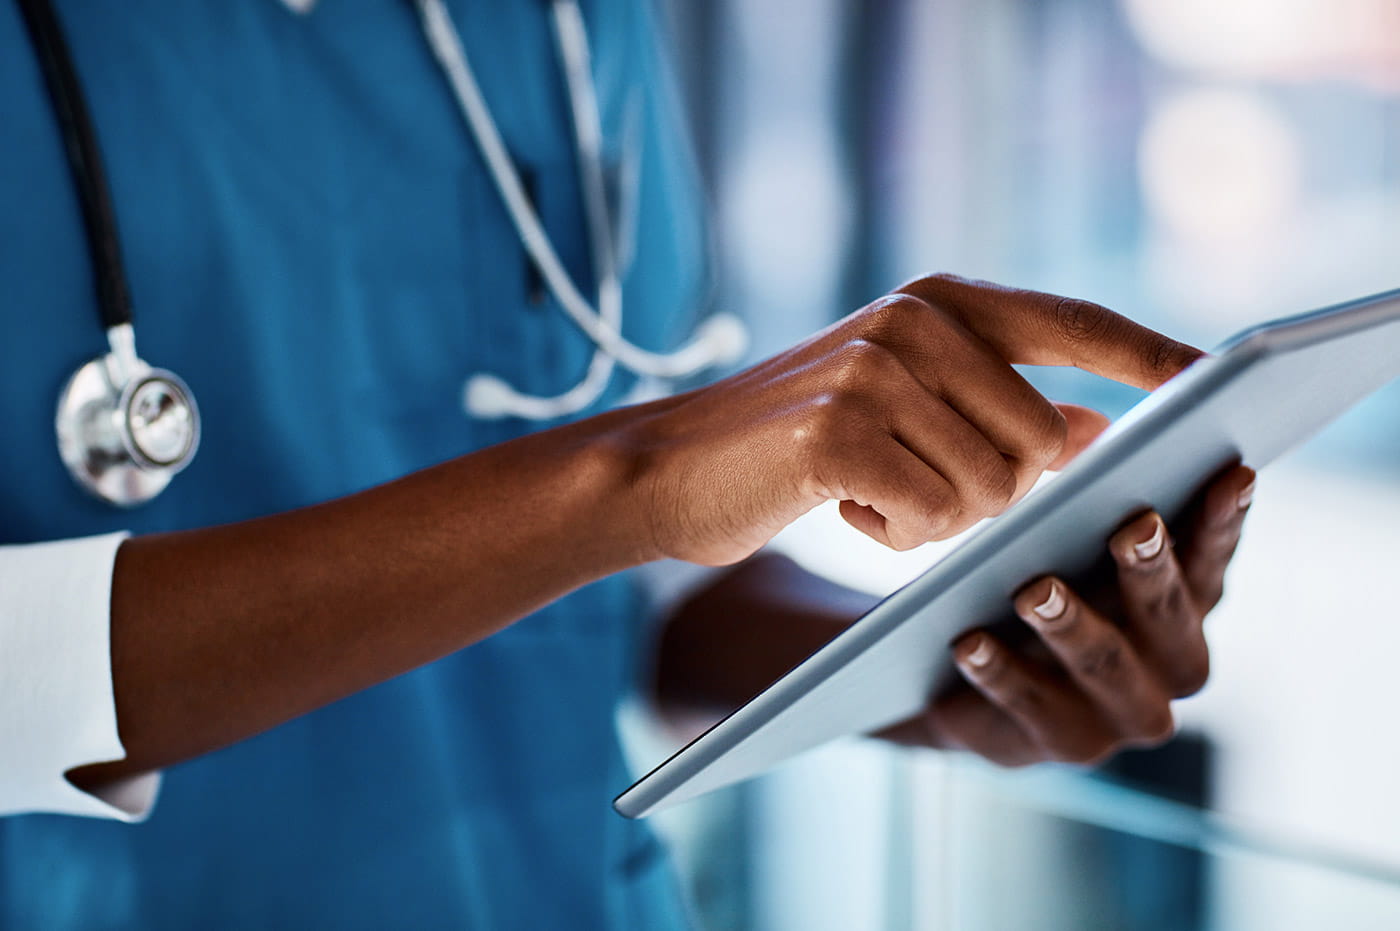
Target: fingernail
[(1054, 604), (1149, 548), (1246, 495), (981, 654)]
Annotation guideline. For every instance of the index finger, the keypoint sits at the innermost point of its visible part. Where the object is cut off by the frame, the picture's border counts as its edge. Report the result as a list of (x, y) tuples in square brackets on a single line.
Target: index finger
[(1035, 328)]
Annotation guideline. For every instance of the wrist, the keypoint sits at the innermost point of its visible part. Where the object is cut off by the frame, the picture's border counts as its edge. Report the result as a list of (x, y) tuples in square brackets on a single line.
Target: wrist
[(627, 447), (613, 494), (610, 474)]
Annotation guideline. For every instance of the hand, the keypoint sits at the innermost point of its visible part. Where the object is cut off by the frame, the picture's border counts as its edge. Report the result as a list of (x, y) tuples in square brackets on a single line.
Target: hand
[(1093, 681), (908, 412)]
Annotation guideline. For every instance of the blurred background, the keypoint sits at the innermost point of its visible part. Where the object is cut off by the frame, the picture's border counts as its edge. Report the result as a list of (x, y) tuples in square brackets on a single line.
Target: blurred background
[(1201, 165)]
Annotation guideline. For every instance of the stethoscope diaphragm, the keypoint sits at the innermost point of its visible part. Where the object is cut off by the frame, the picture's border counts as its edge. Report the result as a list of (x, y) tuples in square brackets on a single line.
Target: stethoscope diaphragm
[(126, 429)]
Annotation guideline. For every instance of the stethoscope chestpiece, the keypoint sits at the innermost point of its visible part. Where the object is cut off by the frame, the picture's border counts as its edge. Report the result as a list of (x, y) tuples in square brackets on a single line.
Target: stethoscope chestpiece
[(124, 428)]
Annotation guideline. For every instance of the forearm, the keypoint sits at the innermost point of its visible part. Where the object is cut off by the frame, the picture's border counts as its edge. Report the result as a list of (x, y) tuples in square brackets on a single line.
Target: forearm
[(220, 633), (731, 640)]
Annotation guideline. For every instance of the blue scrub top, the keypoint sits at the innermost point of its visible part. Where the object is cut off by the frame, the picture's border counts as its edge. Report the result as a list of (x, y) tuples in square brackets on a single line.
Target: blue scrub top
[(315, 246)]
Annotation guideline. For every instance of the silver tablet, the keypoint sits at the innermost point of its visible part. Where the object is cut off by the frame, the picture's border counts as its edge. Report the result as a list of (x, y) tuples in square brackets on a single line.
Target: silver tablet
[(1263, 392)]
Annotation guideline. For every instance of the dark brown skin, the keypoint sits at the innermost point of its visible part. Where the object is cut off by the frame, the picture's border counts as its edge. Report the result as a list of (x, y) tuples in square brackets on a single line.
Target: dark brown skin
[(1110, 673), (908, 412), (1102, 680)]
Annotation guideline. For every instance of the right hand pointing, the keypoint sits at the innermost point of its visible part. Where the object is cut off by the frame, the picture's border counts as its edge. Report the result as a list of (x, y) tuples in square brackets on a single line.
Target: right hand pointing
[(908, 412)]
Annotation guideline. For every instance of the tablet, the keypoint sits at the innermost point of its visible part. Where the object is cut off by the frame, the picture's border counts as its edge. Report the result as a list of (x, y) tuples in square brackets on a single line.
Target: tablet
[(1260, 394)]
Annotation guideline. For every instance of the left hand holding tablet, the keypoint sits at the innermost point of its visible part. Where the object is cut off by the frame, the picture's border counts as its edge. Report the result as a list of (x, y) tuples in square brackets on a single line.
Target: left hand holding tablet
[(1102, 672)]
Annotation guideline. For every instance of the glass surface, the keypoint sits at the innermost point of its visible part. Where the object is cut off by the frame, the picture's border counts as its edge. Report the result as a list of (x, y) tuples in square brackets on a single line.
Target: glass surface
[(1052, 851)]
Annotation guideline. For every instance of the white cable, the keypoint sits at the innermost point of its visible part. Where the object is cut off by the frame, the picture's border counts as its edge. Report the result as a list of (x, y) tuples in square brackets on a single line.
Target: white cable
[(720, 339), (572, 41), (489, 397)]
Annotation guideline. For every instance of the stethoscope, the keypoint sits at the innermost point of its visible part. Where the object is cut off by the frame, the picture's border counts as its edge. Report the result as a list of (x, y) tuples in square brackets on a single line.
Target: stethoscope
[(719, 340), (125, 428)]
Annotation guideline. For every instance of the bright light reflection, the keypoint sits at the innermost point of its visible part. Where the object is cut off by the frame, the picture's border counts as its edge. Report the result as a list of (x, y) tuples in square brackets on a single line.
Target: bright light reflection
[(1237, 35), (1220, 165), (1357, 39)]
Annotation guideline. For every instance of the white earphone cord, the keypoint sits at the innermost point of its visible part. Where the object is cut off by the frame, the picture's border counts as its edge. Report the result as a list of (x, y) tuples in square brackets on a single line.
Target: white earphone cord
[(719, 339)]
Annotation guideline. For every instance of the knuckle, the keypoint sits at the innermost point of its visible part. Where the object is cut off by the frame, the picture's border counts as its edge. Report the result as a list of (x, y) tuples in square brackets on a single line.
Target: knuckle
[(1192, 675), (1165, 596), (938, 506), (1051, 433), (933, 281), (1157, 727), (1020, 698), (1043, 436), (903, 539), (894, 314), (1103, 661), (935, 496), (945, 520), (911, 530), (1079, 321), (995, 485), (1221, 545), (847, 372), (952, 523), (859, 364)]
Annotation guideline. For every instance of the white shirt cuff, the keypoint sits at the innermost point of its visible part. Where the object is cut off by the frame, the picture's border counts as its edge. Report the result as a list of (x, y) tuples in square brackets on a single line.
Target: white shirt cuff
[(57, 710)]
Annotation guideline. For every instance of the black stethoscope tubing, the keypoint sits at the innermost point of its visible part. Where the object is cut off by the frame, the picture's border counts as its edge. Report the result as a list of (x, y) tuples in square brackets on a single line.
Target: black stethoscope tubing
[(84, 159)]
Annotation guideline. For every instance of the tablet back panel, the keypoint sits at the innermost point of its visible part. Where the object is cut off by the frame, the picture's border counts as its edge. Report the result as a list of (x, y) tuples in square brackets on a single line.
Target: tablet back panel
[(1263, 393)]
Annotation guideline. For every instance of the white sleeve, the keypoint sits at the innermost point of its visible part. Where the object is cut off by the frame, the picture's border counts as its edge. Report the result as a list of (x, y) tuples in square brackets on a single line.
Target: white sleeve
[(57, 710)]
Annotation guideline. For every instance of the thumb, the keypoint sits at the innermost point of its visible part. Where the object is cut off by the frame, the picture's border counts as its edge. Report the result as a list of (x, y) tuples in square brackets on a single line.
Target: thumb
[(1085, 424)]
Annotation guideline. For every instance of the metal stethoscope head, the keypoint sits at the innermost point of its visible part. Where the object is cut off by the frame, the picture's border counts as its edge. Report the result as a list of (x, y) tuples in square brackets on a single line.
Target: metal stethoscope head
[(126, 429), (719, 340)]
